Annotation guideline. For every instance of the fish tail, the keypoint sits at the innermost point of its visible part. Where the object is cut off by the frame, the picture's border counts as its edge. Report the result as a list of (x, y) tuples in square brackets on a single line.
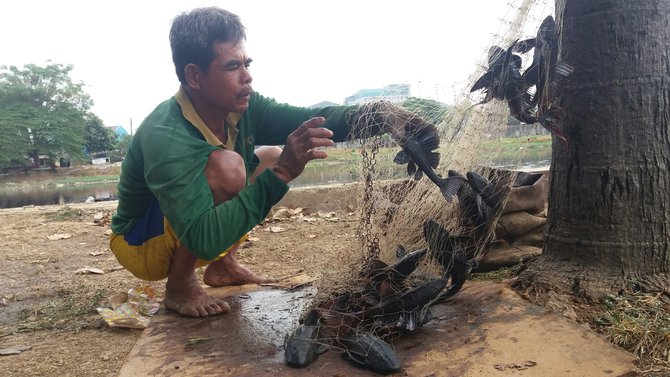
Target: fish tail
[(450, 186)]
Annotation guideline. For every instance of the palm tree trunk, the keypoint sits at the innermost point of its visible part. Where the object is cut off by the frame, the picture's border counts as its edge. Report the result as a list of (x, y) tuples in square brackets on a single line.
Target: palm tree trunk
[(609, 199)]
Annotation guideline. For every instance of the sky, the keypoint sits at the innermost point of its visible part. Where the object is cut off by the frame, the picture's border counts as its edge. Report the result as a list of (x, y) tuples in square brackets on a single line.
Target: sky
[(303, 52)]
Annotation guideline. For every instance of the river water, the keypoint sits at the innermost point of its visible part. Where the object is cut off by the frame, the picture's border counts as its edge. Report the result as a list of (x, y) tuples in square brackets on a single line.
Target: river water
[(47, 194)]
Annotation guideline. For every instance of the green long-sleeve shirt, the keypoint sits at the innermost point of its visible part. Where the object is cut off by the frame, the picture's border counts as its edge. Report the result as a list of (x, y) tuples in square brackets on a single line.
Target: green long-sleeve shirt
[(167, 158)]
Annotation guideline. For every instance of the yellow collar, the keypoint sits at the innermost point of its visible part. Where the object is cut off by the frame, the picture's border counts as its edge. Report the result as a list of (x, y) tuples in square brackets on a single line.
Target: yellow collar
[(192, 116)]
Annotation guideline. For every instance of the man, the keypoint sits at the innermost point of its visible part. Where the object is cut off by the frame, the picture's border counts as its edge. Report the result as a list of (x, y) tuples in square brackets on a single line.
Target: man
[(192, 184)]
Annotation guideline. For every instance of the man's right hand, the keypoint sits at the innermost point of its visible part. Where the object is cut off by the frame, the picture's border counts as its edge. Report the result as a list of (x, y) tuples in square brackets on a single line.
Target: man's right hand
[(300, 148)]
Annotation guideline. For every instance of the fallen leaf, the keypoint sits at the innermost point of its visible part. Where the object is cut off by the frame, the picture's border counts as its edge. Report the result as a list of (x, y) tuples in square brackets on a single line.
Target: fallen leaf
[(253, 239), (276, 229), (96, 253), (59, 236)]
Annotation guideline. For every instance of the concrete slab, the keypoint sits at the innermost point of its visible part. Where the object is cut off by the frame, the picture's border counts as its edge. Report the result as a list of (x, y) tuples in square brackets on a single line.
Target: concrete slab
[(485, 330)]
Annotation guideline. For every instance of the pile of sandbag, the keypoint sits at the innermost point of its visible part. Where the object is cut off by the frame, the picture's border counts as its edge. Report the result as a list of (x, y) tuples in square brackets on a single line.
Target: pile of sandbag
[(520, 230)]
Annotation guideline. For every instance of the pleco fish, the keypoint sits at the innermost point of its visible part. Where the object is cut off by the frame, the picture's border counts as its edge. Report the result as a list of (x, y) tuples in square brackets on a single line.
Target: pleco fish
[(545, 72), (417, 152), (301, 347), (503, 81), (369, 351)]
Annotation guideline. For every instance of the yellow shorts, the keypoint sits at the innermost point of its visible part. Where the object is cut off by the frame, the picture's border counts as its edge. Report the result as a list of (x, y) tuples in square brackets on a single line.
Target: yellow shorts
[(149, 259)]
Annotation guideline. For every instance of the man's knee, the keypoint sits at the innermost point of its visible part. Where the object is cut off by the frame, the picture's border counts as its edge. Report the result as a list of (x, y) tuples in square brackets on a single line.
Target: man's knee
[(225, 174), (268, 156)]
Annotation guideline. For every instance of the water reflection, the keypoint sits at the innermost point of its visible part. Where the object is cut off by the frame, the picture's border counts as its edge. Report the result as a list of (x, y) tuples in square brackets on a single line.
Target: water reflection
[(50, 194)]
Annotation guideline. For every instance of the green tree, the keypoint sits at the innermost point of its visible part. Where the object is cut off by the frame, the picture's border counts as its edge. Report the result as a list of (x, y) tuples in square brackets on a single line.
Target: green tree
[(42, 112), (429, 109), (98, 137)]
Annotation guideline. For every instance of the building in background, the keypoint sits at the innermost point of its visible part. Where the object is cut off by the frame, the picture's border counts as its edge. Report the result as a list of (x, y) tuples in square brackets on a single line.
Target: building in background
[(391, 93), (119, 131)]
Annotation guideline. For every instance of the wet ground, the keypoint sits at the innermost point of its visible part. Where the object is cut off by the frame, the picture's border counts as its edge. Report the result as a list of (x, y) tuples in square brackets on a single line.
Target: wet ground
[(485, 330)]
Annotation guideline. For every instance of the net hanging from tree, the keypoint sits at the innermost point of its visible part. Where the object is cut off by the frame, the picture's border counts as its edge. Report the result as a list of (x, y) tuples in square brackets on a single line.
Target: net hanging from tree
[(417, 248)]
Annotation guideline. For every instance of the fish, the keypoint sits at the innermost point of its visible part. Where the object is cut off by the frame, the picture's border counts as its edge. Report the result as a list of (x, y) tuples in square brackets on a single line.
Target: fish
[(411, 299), (417, 153), (545, 72), (441, 243), (302, 347), (488, 198), (503, 81), (369, 351), (398, 271), (458, 274), (451, 252)]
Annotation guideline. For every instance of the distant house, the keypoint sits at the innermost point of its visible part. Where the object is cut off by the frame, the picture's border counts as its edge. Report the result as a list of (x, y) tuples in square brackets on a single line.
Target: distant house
[(391, 93), (119, 131)]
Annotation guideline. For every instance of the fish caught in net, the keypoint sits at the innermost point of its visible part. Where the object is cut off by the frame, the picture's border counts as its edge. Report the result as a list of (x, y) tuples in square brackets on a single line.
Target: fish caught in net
[(429, 202)]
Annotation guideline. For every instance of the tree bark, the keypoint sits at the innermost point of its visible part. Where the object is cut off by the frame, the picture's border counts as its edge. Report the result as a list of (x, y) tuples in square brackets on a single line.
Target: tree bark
[(609, 199)]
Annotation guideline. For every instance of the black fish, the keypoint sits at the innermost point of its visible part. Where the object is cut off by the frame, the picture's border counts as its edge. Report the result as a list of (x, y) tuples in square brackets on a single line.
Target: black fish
[(301, 347), (368, 351), (473, 209), (458, 273), (441, 243), (408, 301), (488, 197), (417, 151), (450, 251), (503, 81), (545, 71), (398, 271)]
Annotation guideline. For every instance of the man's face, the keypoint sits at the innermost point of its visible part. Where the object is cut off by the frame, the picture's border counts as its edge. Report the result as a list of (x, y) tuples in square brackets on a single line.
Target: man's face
[(226, 84)]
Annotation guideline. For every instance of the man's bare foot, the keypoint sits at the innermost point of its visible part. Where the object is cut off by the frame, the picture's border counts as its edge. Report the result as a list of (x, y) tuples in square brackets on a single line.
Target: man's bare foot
[(228, 271), (188, 298)]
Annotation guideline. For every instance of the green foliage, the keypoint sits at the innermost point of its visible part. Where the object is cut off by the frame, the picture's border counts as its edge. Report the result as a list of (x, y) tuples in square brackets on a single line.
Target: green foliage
[(98, 137), (42, 112), (430, 110), (121, 147)]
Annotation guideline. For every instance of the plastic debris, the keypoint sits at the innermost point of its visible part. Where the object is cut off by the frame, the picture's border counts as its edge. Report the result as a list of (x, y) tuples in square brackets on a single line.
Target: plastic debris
[(89, 270), (132, 310)]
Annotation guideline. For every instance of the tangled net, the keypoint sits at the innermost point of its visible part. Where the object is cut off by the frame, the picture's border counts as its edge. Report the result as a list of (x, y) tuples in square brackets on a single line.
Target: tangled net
[(404, 218)]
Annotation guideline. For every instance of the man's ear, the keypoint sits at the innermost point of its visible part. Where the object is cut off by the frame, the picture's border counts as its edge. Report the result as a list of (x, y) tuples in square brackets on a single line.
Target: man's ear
[(193, 75)]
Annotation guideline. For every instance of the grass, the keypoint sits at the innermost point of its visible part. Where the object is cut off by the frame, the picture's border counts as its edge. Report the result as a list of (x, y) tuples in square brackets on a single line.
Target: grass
[(66, 214), (495, 276), (71, 309), (638, 323)]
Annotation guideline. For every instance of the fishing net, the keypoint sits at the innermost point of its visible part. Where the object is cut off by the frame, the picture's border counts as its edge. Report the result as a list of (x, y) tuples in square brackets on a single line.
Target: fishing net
[(396, 211)]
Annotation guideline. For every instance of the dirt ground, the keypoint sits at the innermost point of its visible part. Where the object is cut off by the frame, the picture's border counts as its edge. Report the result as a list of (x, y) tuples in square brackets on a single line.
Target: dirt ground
[(48, 304)]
